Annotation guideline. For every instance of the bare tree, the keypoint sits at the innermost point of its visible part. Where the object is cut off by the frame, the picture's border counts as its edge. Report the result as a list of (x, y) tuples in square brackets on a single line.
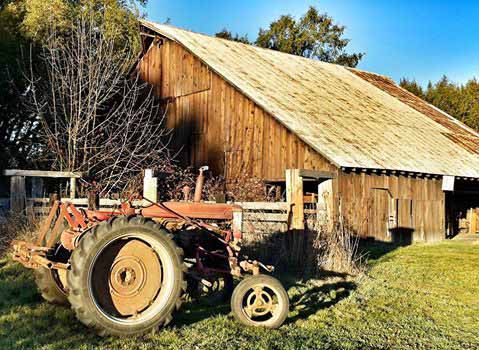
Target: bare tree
[(97, 117)]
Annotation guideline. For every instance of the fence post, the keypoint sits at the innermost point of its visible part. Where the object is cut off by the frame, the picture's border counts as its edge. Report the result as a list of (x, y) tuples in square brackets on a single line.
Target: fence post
[(73, 187), (17, 194), (150, 187), (237, 222), (294, 197)]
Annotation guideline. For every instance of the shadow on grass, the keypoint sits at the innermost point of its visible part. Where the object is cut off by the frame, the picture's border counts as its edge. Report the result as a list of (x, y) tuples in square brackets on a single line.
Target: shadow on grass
[(307, 296), (373, 250), (196, 311), (312, 298), (26, 322)]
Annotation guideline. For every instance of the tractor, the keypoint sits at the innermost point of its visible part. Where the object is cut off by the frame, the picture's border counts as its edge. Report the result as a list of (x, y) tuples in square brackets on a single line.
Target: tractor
[(125, 271)]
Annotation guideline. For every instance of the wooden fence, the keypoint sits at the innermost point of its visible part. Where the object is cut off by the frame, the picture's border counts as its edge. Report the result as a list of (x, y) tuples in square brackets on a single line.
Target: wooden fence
[(258, 217)]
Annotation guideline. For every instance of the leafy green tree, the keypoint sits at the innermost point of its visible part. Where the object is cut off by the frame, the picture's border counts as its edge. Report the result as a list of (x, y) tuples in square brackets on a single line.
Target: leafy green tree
[(226, 34), (18, 137), (470, 103), (460, 101), (412, 86), (314, 35), (446, 96)]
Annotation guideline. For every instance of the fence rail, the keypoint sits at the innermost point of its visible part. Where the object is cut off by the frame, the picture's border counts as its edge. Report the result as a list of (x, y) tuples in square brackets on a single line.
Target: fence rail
[(257, 216)]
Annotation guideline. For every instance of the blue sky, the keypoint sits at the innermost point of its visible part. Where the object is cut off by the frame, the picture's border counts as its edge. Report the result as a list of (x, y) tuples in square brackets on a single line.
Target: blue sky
[(401, 38)]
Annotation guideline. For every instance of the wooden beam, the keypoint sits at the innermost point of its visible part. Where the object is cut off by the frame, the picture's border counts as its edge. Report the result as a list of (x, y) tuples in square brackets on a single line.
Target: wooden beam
[(316, 174), (41, 173)]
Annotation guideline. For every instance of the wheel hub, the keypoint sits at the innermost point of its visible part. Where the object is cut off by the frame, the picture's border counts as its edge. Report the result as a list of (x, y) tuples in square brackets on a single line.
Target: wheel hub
[(128, 276), (134, 277), (259, 303)]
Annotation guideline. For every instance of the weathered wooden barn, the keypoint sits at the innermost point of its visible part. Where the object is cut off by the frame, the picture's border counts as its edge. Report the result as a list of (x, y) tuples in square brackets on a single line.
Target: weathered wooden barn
[(399, 167)]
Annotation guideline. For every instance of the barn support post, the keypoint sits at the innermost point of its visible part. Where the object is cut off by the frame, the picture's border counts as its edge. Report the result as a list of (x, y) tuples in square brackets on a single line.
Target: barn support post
[(150, 187), (18, 195), (294, 197), (325, 202)]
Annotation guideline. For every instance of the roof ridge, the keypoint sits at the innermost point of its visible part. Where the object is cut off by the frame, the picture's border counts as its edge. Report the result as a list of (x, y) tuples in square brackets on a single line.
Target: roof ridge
[(250, 45)]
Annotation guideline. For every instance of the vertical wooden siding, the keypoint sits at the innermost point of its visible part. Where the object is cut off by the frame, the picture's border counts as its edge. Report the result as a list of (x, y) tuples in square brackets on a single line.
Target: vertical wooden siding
[(409, 205), (215, 124)]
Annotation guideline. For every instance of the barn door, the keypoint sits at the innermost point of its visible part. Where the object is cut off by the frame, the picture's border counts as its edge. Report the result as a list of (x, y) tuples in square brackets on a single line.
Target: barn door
[(429, 220), (378, 214), (402, 233)]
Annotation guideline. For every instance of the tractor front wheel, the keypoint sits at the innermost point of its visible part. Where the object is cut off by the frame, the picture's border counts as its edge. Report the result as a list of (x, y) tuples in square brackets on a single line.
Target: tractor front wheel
[(260, 301), (126, 277)]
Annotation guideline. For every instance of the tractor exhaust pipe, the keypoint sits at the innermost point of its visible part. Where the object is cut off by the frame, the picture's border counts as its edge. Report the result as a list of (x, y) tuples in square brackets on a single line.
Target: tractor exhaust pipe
[(200, 181)]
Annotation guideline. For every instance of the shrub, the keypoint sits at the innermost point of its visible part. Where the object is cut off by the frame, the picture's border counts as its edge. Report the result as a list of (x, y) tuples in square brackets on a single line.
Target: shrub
[(18, 226), (337, 248)]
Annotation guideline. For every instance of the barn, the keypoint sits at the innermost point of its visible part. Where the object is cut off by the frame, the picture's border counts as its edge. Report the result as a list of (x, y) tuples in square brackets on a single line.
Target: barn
[(397, 168)]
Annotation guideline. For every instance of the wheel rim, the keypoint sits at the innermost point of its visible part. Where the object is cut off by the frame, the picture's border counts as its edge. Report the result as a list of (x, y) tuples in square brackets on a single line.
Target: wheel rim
[(261, 303), (130, 279)]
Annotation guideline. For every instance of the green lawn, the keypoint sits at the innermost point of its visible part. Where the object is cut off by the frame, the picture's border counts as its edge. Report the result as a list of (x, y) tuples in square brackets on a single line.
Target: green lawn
[(418, 297)]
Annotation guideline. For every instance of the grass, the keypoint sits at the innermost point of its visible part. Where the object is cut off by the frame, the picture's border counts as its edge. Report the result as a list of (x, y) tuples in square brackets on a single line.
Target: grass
[(416, 297)]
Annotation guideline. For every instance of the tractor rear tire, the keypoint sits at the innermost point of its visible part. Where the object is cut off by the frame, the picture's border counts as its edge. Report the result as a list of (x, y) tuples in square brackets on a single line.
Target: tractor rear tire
[(126, 277), (50, 287)]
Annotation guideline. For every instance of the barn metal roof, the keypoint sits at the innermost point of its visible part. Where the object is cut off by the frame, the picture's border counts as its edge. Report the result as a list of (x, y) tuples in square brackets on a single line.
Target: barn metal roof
[(355, 119)]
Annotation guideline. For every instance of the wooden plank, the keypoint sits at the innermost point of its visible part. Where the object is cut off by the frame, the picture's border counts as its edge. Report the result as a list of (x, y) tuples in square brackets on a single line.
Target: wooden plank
[(73, 187), (248, 138), (17, 194), (258, 142), (378, 214), (274, 217), (294, 197), (316, 174), (263, 205), (41, 173), (473, 221)]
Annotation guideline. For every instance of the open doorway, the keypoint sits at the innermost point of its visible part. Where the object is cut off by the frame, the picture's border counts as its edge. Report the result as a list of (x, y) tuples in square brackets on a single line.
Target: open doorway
[(462, 208)]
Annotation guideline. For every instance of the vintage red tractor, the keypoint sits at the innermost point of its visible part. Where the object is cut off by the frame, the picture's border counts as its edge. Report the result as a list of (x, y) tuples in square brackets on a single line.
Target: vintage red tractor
[(125, 271)]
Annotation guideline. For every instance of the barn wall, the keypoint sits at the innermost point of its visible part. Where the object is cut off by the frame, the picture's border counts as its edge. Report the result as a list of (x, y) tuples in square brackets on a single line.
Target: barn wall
[(392, 208), (215, 124)]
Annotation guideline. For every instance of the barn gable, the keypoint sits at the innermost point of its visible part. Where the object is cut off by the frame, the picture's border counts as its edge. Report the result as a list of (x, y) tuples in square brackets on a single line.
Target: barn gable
[(216, 124), (345, 116)]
